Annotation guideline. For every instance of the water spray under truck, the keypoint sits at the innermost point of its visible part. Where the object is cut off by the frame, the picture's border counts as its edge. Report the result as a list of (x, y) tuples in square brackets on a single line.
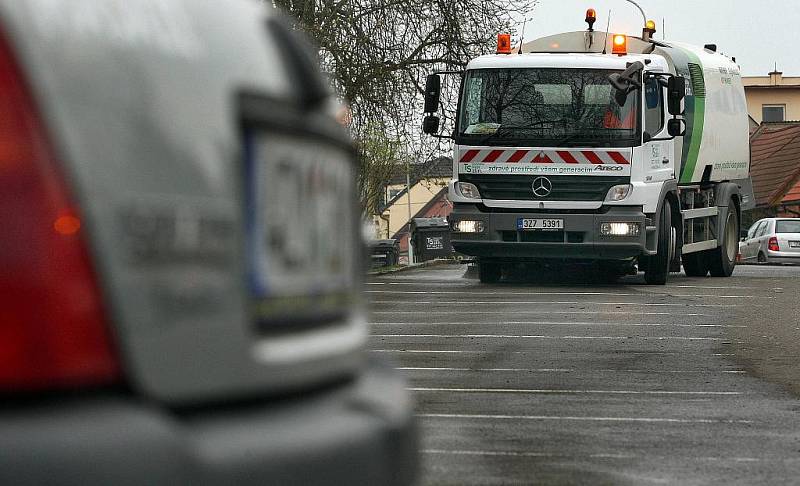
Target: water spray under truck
[(624, 152)]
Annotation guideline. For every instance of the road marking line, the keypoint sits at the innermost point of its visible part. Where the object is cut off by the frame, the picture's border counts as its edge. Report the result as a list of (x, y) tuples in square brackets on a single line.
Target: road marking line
[(456, 284), (701, 287), (613, 313), (536, 336), (538, 370), (564, 370), (534, 391), (584, 419), (493, 353), (554, 323), (524, 454), (590, 456), (435, 351), (587, 304), (533, 294)]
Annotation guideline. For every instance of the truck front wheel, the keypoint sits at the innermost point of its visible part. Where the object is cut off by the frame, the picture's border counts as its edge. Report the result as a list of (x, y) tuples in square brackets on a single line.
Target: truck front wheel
[(657, 266), (723, 259)]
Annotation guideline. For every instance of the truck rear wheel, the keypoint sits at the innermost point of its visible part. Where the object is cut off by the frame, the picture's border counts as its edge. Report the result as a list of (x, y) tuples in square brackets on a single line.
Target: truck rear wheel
[(657, 267), (695, 264), (489, 272), (723, 258)]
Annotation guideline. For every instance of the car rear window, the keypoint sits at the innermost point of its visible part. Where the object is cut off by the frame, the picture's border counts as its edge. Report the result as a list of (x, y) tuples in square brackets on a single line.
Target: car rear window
[(788, 226)]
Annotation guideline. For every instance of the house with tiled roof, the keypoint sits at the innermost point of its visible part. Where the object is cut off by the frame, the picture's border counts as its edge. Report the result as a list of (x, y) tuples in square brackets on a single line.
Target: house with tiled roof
[(427, 197), (775, 169)]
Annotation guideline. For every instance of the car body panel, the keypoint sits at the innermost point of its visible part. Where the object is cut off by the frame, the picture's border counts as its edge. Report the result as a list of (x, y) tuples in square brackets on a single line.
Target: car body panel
[(144, 105), (755, 247), (358, 433), (148, 106)]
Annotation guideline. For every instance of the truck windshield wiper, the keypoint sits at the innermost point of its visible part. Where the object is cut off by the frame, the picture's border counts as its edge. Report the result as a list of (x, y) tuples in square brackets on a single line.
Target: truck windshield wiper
[(566, 139), (500, 129), (506, 128)]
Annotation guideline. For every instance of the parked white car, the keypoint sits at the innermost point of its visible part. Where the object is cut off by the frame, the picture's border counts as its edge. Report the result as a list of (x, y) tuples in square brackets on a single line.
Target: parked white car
[(772, 240)]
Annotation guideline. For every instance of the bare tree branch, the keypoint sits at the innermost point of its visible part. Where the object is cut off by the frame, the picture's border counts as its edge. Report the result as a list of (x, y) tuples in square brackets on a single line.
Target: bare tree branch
[(377, 53)]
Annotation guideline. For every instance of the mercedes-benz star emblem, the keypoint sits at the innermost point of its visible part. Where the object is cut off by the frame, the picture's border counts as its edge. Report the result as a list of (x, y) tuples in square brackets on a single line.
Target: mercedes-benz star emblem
[(542, 187)]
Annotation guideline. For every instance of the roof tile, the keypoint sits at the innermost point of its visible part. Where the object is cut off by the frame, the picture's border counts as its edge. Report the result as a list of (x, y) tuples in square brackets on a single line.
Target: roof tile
[(775, 162)]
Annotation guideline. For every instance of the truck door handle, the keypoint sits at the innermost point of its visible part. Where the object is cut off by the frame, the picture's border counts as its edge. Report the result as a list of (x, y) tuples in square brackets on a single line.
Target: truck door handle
[(665, 161)]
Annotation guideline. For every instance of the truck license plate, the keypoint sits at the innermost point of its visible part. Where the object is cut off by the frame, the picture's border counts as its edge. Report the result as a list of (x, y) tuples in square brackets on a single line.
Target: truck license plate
[(530, 224)]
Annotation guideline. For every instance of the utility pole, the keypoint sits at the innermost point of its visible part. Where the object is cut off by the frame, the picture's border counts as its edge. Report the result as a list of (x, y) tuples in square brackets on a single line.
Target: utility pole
[(408, 199)]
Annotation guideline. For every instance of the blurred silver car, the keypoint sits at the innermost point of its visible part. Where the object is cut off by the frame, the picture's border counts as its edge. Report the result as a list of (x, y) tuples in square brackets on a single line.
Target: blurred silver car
[(180, 261), (772, 240)]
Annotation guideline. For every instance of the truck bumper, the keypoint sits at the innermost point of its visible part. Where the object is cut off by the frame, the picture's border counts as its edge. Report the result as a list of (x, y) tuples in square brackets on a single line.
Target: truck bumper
[(580, 240), (361, 432)]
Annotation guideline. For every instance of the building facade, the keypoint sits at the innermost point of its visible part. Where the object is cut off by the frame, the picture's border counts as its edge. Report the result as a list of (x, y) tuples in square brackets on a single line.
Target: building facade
[(772, 98), (426, 198)]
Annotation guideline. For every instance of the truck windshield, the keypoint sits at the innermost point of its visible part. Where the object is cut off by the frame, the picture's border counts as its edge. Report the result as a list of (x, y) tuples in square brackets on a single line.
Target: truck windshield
[(545, 107)]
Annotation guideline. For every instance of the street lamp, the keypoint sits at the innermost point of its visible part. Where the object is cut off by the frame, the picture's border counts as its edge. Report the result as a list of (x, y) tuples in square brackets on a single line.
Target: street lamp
[(644, 17)]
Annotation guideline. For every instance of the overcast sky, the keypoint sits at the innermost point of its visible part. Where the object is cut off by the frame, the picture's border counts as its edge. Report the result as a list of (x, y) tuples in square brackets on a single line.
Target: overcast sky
[(758, 33)]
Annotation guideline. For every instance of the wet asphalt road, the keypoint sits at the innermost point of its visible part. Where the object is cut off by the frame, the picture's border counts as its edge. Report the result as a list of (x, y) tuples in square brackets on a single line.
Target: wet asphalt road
[(551, 381)]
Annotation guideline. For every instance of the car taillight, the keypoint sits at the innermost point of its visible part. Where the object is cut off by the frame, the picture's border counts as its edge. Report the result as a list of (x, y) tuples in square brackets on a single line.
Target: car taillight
[(773, 244), (53, 332)]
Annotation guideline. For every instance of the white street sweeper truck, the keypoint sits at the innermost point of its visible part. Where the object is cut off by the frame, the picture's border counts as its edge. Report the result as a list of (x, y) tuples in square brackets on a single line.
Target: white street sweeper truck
[(625, 152)]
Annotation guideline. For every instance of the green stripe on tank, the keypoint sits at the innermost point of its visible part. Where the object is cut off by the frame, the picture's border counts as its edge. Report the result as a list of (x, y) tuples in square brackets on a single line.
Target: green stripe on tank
[(699, 112)]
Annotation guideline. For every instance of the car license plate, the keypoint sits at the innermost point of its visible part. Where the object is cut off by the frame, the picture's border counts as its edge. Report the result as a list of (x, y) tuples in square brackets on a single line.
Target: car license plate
[(301, 219), (532, 224), (794, 244)]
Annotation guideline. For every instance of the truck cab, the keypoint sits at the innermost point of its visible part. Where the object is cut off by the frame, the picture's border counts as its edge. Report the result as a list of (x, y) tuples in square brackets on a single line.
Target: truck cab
[(584, 146)]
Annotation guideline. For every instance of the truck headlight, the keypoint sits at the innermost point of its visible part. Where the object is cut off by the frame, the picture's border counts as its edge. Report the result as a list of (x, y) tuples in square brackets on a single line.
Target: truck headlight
[(467, 226), (620, 229), (618, 193), (468, 190)]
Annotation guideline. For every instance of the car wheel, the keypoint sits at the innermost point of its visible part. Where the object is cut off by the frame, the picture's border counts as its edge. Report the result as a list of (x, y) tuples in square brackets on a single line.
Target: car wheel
[(657, 267), (489, 272), (762, 258), (723, 259), (695, 264)]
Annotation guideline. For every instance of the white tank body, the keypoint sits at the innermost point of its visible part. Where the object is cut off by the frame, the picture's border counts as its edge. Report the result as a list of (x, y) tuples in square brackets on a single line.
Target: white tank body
[(717, 138)]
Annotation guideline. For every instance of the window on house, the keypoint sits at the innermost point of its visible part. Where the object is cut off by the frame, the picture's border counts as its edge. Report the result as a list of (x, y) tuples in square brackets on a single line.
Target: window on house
[(393, 193), (773, 113)]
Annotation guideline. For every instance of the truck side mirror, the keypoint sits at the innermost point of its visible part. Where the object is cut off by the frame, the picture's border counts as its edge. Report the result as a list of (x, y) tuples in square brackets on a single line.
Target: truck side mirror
[(676, 127), (430, 125), (676, 91), (433, 89)]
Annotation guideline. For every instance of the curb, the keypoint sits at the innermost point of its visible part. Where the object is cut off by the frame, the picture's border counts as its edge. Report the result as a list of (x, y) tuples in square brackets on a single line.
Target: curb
[(430, 263)]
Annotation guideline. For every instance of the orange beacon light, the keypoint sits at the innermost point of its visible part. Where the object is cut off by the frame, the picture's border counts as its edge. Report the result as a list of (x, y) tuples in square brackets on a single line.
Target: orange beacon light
[(619, 44), (503, 43)]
